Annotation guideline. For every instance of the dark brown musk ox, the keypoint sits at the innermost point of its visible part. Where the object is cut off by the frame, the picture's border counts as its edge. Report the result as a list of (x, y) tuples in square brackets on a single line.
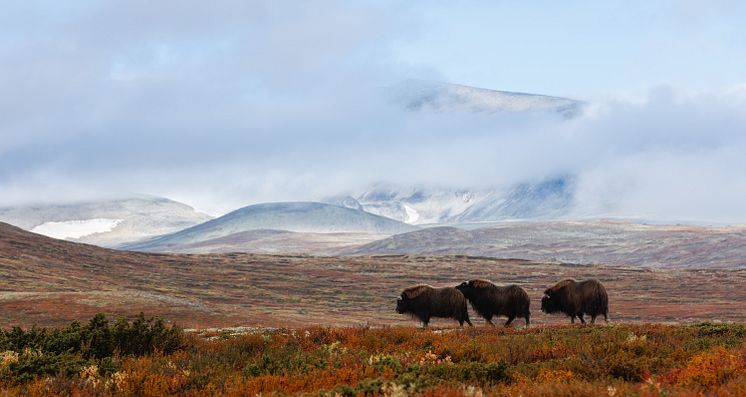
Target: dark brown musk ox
[(424, 301), (577, 299), (490, 300)]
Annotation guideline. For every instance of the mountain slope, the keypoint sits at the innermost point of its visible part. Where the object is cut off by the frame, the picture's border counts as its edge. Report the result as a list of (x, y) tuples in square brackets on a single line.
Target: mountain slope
[(446, 97), (578, 242), (549, 198), (106, 223), (278, 242), (416, 206), (301, 217)]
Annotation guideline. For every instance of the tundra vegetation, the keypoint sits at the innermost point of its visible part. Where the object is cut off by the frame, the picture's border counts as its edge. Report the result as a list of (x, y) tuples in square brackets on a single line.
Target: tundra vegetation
[(144, 357)]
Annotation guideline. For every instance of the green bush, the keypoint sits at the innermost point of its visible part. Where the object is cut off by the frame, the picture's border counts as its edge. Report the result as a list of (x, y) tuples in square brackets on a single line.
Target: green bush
[(97, 339), (65, 351)]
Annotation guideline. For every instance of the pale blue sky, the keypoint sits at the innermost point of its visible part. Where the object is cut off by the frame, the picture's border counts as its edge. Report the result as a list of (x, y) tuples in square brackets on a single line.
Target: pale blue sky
[(581, 48)]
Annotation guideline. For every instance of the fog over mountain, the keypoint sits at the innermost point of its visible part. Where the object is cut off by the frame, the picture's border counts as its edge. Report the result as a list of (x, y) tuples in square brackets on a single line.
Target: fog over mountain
[(221, 106)]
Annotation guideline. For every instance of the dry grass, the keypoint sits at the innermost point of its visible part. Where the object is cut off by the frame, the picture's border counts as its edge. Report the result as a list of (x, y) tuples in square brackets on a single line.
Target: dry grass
[(50, 282)]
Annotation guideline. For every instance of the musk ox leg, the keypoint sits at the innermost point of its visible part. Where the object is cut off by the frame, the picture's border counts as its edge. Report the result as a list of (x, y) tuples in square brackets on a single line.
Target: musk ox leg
[(572, 319), (593, 318), (528, 322), (510, 320), (580, 316), (488, 320), (606, 317), (465, 318)]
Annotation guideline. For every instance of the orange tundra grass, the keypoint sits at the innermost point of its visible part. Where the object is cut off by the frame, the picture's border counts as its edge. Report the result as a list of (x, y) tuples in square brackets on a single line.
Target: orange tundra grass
[(616, 360)]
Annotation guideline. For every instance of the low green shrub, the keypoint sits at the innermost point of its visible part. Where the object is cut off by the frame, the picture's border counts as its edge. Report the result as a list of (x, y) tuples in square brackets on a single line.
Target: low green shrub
[(66, 351)]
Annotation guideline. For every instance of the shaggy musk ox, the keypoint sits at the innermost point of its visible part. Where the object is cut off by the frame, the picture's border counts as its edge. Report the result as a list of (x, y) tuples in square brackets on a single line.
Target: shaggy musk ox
[(424, 302), (577, 299), (490, 300)]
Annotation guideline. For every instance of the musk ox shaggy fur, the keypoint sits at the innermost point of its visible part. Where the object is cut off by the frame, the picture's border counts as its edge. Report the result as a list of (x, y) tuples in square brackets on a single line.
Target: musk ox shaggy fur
[(577, 299), (424, 302), (490, 300)]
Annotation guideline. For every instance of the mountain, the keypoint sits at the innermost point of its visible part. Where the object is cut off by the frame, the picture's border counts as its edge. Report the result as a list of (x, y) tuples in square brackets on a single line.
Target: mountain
[(411, 205), (300, 217), (591, 241), (549, 198), (446, 97), (105, 223), (418, 205)]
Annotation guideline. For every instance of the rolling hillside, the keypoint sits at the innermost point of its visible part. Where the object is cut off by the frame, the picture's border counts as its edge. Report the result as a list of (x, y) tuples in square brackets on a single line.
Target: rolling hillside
[(300, 217), (592, 241), (44, 281)]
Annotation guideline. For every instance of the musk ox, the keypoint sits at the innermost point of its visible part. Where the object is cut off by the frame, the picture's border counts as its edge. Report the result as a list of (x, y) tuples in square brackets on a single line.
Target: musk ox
[(490, 300), (424, 302), (577, 299)]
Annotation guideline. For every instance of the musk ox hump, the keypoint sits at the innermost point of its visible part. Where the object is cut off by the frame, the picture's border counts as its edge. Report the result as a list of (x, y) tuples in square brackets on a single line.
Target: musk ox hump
[(479, 283), (563, 284), (417, 290)]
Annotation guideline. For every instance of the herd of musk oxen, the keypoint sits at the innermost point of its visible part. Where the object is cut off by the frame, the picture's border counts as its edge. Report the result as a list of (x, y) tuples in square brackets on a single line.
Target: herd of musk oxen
[(572, 298)]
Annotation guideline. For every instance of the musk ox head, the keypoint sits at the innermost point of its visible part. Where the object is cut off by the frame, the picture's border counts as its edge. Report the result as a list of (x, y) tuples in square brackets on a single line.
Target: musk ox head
[(549, 305), (464, 287), (405, 302), (402, 304), (554, 297)]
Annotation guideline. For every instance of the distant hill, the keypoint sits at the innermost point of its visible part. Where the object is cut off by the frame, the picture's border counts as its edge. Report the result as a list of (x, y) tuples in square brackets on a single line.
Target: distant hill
[(595, 241), (278, 242), (300, 217), (106, 222)]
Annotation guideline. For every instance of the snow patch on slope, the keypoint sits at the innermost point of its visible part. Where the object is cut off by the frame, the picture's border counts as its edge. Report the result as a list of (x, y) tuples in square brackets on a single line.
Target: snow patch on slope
[(76, 228), (412, 214)]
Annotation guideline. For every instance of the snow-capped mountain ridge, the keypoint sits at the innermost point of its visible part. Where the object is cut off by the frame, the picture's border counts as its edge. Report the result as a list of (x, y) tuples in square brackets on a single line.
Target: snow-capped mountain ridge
[(544, 199)]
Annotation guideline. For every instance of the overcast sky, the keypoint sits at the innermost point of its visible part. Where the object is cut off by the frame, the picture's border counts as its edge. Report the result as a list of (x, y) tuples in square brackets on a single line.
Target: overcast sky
[(228, 103)]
